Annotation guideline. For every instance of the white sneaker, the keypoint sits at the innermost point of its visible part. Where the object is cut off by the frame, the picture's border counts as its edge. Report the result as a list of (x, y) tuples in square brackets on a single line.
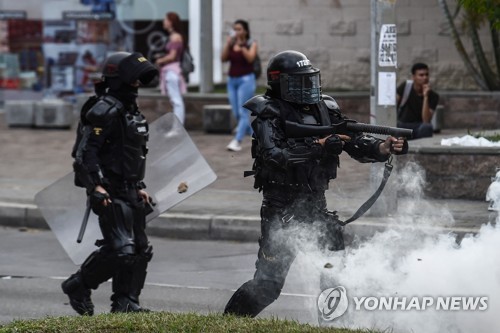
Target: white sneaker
[(234, 145)]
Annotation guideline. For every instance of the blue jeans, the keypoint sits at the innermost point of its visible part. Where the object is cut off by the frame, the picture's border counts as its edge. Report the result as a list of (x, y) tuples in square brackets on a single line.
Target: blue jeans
[(174, 94), (240, 89)]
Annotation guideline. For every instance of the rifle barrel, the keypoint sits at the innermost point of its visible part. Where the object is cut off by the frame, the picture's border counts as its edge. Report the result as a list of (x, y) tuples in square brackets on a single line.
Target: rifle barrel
[(377, 129), (296, 130)]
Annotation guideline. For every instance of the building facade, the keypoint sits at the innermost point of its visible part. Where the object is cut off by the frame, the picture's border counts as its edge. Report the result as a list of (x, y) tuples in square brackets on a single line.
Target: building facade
[(335, 34)]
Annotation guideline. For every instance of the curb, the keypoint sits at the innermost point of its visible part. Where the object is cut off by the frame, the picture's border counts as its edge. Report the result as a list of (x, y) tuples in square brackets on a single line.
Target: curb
[(169, 225), (212, 227)]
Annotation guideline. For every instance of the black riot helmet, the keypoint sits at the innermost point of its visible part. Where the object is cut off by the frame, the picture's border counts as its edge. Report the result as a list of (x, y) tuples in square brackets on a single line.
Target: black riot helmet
[(128, 68), (292, 78)]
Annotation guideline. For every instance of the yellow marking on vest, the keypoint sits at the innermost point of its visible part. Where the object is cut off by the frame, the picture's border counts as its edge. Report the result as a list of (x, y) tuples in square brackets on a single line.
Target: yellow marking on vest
[(97, 130), (142, 59)]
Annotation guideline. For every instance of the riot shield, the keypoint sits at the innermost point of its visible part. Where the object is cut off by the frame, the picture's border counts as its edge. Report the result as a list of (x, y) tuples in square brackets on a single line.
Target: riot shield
[(173, 160)]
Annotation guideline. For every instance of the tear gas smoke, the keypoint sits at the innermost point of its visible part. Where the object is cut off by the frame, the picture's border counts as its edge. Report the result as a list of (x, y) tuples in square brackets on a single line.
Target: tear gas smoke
[(410, 258)]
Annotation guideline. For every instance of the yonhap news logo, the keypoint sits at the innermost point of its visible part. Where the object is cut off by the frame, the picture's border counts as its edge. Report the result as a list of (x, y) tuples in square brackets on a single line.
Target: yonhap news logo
[(333, 303)]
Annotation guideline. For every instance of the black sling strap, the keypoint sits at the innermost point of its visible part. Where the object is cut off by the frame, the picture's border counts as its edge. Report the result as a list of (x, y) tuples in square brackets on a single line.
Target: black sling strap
[(364, 207), (387, 172)]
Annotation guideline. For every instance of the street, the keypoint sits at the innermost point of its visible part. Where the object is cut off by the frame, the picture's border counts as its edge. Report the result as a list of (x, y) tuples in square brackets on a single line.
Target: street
[(184, 276)]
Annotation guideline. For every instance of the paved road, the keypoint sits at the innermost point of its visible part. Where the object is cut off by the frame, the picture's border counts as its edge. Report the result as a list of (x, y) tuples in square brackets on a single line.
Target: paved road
[(183, 276)]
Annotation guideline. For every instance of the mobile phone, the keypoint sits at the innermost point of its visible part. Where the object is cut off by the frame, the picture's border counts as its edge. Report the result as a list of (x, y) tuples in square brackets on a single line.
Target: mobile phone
[(232, 33)]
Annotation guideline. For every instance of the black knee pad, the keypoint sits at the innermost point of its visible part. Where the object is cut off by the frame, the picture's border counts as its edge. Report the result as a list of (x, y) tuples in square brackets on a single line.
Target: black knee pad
[(117, 227), (98, 267)]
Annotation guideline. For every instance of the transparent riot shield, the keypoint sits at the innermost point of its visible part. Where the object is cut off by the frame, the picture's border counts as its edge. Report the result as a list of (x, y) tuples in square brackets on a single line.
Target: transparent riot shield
[(173, 160)]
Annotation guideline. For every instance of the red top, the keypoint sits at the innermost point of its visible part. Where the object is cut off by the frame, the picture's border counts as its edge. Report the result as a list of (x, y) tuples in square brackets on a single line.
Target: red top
[(175, 46), (239, 66)]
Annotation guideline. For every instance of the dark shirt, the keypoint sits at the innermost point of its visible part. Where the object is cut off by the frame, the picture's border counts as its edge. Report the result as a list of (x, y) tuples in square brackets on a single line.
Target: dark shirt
[(239, 66), (412, 110)]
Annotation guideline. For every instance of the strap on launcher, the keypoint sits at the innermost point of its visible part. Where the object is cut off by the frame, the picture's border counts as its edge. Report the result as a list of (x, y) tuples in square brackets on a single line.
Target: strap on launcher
[(367, 205)]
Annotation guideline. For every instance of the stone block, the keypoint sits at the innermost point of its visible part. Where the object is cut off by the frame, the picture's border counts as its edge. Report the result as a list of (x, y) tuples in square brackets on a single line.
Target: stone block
[(289, 27), (237, 228), (34, 218), (20, 113), (362, 55), (53, 113), (183, 226), (13, 215), (342, 28), (403, 28), (429, 56), (218, 119)]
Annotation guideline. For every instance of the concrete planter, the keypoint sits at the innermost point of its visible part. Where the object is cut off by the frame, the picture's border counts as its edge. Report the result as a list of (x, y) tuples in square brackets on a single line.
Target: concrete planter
[(53, 114), (20, 113), (454, 172)]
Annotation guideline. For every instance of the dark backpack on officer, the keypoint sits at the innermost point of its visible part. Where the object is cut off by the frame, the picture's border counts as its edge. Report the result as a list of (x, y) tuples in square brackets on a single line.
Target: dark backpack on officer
[(81, 128)]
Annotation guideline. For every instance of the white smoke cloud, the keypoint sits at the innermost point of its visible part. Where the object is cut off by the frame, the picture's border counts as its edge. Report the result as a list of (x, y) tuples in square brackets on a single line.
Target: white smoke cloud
[(413, 258)]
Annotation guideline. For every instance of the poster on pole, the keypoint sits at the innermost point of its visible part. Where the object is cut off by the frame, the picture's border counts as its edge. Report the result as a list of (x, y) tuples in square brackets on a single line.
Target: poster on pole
[(386, 88), (387, 47)]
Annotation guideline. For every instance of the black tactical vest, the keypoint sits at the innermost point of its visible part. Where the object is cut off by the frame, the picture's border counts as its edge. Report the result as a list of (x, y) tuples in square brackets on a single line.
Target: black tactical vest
[(135, 137), (313, 175)]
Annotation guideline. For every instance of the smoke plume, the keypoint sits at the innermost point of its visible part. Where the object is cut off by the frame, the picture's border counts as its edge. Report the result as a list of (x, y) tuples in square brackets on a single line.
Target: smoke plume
[(412, 257)]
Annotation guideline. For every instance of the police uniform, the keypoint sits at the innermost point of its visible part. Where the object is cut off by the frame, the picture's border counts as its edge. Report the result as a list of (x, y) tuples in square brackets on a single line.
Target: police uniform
[(293, 174), (111, 152)]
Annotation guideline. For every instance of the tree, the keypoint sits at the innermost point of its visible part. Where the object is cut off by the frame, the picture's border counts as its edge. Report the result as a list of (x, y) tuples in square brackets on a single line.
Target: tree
[(474, 15)]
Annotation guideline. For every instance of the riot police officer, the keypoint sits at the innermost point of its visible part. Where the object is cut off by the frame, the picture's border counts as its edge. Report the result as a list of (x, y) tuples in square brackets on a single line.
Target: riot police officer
[(109, 162), (293, 173)]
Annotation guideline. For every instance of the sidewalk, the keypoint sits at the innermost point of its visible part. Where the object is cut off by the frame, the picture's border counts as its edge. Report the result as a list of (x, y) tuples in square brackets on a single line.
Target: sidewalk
[(227, 209)]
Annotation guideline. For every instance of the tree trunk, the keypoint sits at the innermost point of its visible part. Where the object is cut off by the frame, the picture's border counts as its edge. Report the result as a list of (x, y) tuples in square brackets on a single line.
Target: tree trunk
[(488, 75), (460, 47), (496, 46)]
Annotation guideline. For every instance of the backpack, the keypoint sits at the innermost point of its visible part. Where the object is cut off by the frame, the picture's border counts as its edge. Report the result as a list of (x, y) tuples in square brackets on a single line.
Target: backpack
[(404, 98), (257, 66), (187, 63)]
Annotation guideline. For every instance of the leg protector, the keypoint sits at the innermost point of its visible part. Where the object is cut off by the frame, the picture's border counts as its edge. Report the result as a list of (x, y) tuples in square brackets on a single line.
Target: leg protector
[(274, 261), (253, 297), (129, 282), (79, 295), (116, 225), (99, 267)]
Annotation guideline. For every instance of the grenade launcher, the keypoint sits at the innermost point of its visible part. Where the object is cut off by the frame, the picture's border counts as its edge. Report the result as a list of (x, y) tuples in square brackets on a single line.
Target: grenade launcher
[(296, 130)]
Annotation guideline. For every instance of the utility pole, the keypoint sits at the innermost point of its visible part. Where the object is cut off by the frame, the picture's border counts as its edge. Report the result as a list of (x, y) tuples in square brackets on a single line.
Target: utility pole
[(383, 90), (206, 47)]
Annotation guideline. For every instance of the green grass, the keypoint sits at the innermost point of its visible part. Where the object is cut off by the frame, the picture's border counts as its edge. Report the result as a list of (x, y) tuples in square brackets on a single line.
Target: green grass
[(162, 322)]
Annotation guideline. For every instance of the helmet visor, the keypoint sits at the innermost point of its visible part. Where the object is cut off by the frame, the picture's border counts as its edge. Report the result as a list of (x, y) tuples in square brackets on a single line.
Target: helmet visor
[(301, 88)]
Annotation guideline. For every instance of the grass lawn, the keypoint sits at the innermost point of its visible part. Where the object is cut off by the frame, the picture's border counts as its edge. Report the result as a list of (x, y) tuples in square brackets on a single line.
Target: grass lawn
[(162, 322)]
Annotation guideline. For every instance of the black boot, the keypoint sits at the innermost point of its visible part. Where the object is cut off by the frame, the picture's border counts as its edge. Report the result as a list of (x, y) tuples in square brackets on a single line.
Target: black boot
[(79, 295), (123, 303), (128, 284)]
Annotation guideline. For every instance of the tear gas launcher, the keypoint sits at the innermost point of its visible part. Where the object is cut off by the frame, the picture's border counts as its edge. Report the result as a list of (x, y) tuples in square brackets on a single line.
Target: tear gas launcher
[(296, 130)]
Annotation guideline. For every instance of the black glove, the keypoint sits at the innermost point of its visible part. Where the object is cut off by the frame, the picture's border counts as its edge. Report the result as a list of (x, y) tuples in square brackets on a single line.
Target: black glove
[(149, 206), (97, 202), (334, 145)]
